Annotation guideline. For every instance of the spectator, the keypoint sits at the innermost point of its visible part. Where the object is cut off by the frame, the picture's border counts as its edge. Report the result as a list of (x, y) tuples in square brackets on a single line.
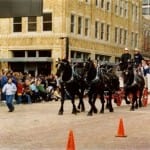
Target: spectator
[(27, 91), (41, 89), (9, 89), (137, 57), (125, 59), (3, 82), (35, 93), (145, 71), (19, 91)]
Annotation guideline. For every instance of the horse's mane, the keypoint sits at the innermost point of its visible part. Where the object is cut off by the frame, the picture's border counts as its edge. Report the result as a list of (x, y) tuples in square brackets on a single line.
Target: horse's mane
[(133, 78), (139, 80), (92, 71), (78, 70), (67, 73), (128, 77)]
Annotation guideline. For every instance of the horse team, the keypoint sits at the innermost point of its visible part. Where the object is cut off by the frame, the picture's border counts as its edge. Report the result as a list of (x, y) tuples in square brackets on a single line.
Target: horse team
[(98, 81)]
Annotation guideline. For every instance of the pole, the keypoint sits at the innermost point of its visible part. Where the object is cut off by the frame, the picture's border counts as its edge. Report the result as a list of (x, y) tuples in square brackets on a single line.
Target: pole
[(67, 48)]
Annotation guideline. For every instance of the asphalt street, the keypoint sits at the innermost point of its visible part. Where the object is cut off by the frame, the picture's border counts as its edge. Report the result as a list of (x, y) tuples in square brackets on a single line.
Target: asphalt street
[(39, 127)]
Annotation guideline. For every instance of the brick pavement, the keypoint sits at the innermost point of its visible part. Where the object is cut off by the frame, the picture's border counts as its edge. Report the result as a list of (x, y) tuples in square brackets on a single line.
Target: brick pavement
[(38, 127)]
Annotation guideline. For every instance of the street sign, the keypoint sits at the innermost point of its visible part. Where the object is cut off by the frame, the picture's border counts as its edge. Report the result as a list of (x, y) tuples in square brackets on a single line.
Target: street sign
[(20, 8)]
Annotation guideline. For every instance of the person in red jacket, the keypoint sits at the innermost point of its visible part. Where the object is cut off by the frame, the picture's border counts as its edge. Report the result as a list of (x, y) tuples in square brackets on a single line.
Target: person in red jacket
[(19, 91)]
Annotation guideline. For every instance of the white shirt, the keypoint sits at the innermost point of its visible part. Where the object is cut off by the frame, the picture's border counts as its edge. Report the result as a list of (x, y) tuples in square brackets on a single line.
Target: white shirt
[(9, 89)]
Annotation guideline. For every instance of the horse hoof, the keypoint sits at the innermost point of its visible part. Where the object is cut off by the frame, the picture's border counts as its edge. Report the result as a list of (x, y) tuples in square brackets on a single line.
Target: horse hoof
[(115, 100), (82, 110), (131, 109), (102, 111), (74, 112), (89, 114), (78, 107), (127, 102), (107, 106), (77, 111), (60, 113), (111, 110), (95, 111)]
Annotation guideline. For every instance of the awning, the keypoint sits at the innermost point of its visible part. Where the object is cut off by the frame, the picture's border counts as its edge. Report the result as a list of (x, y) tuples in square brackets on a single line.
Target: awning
[(20, 8), (28, 59)]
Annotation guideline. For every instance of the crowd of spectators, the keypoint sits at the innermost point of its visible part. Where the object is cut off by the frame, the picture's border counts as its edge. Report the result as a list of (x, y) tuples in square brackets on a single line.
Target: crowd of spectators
[(30, 89)]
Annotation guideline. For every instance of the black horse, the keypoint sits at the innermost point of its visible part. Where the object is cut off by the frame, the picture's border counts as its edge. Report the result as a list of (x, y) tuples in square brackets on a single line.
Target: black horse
[(133, 85), (101, 80), (69, 86), (111, 82), (79, 73), (95, 87)]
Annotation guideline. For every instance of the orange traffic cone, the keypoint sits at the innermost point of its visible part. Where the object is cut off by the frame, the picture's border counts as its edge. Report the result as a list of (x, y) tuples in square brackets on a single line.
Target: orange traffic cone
[(121, 132), (71, 143)]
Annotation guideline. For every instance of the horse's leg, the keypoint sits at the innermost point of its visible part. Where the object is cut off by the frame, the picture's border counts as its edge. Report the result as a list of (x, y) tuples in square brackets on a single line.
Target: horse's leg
[(102, 102), (136, 102), (81, 103), (134, 99), (90, 112), (94, 100), (107, 103), (61, 110), (126, 99), (74, 109), (110, 102)]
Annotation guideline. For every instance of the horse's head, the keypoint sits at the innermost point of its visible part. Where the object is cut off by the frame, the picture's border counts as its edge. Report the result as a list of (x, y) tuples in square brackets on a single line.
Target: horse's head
[(79, 70), (90, 69), (128, 75), (63, 69)]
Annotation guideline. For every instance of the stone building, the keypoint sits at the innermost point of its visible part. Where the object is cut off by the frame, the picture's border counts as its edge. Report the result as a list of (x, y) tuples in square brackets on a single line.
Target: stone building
[(146, 38), (78, 29), (146, 8)]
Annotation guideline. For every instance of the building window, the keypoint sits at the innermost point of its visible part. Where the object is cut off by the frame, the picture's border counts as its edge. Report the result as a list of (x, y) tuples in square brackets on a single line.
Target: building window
[(20, 53), (116, 35), (146, 11), (102, 3), (47, 22), (31, 53), (107, 32), (78, 55), (136, 40), (120, 36), (72, 23), (102, 57), (17, 24), (136, 13), (125, 37), (116, 7), (146, 2), (96, 29), (102, 31), (108, 6), (79, 25), (121, 8), (32, 23), (126, 9), (132, 39), (97, 3), (87, 1), (87, 27), (44, 53)]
